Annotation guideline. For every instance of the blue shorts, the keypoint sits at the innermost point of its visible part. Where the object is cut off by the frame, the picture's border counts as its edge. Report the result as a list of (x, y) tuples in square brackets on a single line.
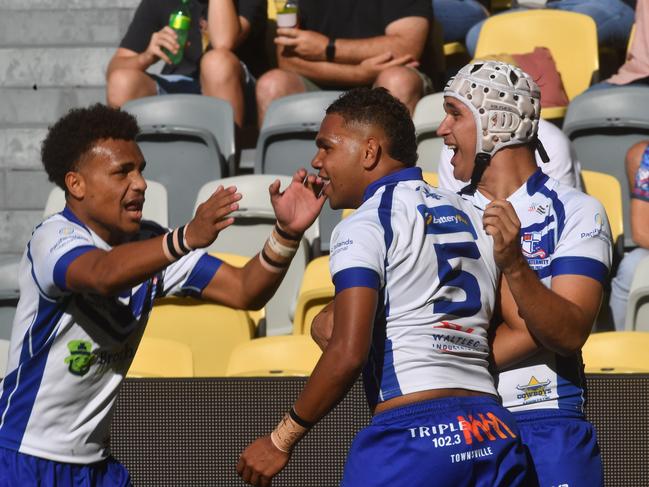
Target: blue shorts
[(19, 469), (455, 441), (563, 447)]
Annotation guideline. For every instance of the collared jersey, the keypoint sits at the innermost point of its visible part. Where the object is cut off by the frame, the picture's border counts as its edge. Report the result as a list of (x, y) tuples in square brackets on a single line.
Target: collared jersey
[(70, 351), (422, 249), (563, 231)]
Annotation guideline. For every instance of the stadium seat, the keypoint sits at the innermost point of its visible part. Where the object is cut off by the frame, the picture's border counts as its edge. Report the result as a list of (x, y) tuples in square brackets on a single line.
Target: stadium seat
[(286, 143), (606, 189), (571, 38), (210, 330), (4, 356), (155, 204), (315, 292), (186, 140), (274, 356), (616, 352), (602, 125), (254, 222), (427, 118), (159, 357), (637, 308)]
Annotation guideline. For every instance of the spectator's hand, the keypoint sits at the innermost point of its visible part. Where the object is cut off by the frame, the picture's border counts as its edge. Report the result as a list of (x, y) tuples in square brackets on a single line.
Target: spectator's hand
[(371, 67), (305, 44), (323, 326), (501, 222), (260, 462), (165, 37), (212, 217), (297, 207)]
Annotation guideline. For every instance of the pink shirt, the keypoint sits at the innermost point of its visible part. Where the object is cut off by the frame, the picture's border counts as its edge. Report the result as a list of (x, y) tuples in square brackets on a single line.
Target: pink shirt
[(637, 59)]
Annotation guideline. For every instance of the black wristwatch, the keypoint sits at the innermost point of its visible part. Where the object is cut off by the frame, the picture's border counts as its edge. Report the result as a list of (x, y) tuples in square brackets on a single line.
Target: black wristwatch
[(330, 52)]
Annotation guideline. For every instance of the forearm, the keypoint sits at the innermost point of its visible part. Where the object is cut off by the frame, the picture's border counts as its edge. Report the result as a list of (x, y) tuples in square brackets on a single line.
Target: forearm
[(140, 62), (354, 51), (223, 24), (510, 345), (332, 74)]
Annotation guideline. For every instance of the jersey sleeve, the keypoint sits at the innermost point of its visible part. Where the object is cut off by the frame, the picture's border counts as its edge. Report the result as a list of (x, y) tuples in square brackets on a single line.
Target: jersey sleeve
[(190, 274), (584, 245), (53, 247), (357, 252)]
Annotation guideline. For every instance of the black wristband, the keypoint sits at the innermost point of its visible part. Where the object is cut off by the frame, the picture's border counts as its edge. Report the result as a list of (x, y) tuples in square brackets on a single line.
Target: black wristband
[(286, 235), (330, 51), (302, 422)]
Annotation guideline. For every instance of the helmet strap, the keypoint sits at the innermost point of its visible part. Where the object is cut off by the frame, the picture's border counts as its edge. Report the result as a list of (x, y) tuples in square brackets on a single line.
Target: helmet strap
[(539, 147), (480, 165)]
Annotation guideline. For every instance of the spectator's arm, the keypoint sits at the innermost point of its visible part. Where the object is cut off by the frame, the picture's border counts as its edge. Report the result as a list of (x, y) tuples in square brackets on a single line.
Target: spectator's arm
[(225, 27), (128, 59), (639, 225)]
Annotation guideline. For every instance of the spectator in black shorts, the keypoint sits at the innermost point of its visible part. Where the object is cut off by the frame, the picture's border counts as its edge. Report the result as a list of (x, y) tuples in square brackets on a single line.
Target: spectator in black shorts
[(221, 58), (342, 44)]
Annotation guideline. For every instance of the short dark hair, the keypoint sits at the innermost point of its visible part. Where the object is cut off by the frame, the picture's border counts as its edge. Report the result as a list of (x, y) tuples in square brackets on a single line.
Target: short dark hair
[(376, 106), (76, 133)]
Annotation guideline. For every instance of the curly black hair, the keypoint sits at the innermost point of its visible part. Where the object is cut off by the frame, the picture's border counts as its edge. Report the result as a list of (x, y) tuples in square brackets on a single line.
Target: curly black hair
[(76, 133), (376, 106)]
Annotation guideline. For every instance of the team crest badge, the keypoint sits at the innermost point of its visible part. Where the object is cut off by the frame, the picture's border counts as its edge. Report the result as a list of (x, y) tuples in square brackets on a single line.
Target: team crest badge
[(81, 357), (531, 246)]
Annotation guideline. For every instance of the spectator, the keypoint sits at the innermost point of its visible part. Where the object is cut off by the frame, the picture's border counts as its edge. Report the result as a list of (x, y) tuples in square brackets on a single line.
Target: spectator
[(225, 67), (637, 168), (635, 71), (457, 17), (613, 18), (552, 244), (89, 276), (379, 43), (561, 165)]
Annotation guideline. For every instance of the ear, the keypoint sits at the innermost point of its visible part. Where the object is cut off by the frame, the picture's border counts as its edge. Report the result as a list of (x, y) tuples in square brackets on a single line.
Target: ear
[(372, 154), (75, 184)]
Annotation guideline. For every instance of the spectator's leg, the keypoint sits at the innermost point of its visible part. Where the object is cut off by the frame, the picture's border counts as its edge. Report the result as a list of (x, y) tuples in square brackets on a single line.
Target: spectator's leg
[(613, 18), (621, 285), (403, 83), (632, 161), (457, 17), (128, 84), (275, 84), (222, 77)]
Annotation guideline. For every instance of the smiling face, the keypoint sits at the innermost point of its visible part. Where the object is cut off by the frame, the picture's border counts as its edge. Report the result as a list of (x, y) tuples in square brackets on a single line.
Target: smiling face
[(459, 132), (107, 190), (339, 161)]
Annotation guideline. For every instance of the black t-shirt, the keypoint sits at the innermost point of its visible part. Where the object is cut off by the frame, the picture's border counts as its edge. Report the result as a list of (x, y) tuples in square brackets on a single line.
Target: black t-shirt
[(153, 15), (358, 19)]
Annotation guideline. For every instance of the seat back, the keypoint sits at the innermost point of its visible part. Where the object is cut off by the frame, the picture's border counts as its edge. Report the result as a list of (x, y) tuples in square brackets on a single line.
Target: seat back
[(637, 308), (616, 352), (254, 221), (292, 355), (571, 38), (606, 189), (210, 330), (159, 357), (602, 125), (155, 203), (316, 291), (429, 114), (186, 140)]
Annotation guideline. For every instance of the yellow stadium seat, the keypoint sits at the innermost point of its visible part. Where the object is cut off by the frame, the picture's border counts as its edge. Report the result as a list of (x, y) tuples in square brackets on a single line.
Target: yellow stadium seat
[(430, 177), (283, 355), (239, 261), (316, 291), (210, 330), (606, 188), (158, 357), (452, 48), (617, 352), (571, 38)]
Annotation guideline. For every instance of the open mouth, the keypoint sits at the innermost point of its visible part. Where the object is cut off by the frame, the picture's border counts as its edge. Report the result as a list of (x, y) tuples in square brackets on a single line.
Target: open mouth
[(454, 149), (134, 208)]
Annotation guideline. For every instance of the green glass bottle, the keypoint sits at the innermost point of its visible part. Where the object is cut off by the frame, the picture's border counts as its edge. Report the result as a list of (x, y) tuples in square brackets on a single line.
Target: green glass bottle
[(180, 21)]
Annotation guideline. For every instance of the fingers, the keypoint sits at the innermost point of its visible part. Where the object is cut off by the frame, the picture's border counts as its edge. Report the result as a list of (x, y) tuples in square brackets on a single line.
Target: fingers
[(288, 32), (286, 41)]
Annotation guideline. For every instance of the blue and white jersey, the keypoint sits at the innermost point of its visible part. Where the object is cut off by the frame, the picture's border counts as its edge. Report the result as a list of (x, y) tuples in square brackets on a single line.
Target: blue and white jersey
[(563, 231), (422, 249), (70, 351)]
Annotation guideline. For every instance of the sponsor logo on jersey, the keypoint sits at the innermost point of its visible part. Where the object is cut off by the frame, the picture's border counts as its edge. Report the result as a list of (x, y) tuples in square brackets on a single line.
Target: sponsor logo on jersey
[(341, 246), (446, 219), (81, 357), (531, 245), (597, 231), (534, 390), (484, 427), (429, 194)]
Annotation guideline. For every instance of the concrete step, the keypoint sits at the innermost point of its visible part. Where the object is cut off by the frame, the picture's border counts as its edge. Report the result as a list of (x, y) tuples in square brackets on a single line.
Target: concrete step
[(22, 106), (26, 189), (16, 228), (47, 28), (20, 147), (54, 67), (67, 4)]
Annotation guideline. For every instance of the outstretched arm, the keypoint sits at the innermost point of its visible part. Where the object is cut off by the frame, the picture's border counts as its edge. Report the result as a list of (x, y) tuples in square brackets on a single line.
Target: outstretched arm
[(336, 371)]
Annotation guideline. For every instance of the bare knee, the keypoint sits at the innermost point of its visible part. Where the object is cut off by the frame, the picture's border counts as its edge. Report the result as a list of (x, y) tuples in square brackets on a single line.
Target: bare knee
[(403, 83), (124, 85), (277, 83), (220, 66)]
